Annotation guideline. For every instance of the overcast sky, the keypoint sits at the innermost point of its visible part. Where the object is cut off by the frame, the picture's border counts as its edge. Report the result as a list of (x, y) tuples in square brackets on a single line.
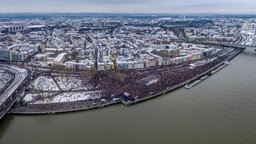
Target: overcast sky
[(131, 6)]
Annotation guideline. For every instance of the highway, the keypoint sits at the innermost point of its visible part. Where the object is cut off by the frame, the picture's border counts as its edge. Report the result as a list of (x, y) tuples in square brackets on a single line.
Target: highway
[(8, 97)]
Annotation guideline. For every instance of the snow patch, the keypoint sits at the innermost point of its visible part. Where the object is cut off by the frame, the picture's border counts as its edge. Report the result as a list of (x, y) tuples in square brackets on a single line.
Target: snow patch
[(45, 84), (68, 83), (70, 97)]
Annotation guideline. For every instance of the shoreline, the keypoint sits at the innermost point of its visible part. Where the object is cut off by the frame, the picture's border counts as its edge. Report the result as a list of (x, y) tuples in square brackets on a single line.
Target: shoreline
[(73, 108), (181, 84), (65, 107)]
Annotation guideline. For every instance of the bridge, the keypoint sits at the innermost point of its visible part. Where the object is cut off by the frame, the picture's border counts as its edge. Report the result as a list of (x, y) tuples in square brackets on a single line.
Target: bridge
[(251, 49), (9, 96)]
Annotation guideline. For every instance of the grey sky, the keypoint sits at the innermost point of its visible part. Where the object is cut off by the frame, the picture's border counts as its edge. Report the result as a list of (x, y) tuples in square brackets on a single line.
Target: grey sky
[(131, 6)]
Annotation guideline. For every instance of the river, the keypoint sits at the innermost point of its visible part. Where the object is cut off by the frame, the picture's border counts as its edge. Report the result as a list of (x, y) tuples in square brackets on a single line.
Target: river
[(221, 110)]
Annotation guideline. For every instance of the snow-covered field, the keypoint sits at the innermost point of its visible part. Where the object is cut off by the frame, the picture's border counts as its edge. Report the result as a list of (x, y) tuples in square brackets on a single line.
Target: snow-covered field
[(30, 97), (45, 84), (68, 83), (36, 96), (64, 97)]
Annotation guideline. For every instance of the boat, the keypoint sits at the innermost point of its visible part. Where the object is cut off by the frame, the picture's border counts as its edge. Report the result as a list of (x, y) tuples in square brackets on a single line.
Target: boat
[(217, 69), (190, 85), (204, 77)]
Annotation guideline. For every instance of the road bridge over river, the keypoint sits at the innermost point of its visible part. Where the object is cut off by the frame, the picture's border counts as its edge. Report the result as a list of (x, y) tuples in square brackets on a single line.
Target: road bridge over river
[(251, 49), (9, 96)]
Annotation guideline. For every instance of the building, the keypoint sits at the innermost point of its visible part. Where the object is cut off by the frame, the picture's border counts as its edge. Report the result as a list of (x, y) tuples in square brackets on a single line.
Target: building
[(18, 52), (25, 47), (5, 54), (13, 27), (59, 59), (99, 24), (36, 28), (175, 53), (18, 56)]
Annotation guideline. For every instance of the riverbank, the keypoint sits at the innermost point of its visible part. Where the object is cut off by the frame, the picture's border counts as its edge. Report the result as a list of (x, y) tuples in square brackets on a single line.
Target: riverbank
[(181, 84), (225, 100), (65, 107), (36, 109)]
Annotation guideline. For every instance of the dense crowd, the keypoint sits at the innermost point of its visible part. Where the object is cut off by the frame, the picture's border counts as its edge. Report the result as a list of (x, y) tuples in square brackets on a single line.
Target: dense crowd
[(135, 83), (167, 77)]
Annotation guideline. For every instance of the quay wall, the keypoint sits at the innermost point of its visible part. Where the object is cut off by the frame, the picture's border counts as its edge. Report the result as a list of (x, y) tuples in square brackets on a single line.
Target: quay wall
[(33, 109)]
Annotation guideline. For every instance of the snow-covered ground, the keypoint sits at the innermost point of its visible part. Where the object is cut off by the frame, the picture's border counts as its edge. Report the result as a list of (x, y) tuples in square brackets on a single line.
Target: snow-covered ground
[(30, 97), (45, 84), (36, 96), (68, 83), (64, 97)]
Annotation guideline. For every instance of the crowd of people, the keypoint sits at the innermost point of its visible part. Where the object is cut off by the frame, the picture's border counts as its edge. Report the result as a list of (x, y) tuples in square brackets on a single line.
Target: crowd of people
[(135, 83), (167, 77)]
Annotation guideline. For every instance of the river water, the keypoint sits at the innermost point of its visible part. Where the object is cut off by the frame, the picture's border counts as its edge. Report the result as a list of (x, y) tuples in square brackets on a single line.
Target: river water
[(221, 110)]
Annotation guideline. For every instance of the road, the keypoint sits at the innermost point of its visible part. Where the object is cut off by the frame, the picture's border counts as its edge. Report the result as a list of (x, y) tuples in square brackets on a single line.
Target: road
[(8, 97)]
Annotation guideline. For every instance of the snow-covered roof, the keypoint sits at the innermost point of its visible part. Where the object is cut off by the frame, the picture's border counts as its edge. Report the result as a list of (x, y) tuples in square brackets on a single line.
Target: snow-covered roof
[(59, 57), (36, 26)]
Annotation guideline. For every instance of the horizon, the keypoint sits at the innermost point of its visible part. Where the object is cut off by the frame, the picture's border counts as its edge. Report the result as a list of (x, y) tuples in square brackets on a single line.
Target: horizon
[(130, 6), (134, 13)]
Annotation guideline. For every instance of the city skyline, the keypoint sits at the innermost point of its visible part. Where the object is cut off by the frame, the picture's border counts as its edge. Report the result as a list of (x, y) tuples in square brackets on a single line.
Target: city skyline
[(131, 6), (127, 71)]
